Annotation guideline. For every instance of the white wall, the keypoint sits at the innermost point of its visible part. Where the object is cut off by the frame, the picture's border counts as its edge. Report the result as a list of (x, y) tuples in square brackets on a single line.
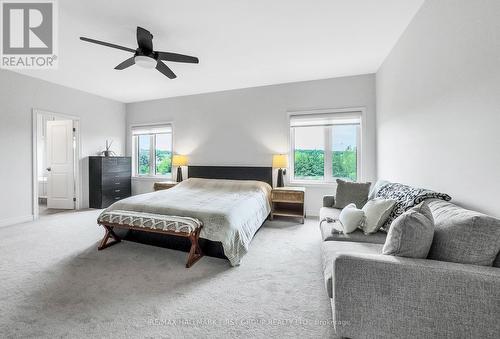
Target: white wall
[(438, 103), (247, 126), (101, 119)]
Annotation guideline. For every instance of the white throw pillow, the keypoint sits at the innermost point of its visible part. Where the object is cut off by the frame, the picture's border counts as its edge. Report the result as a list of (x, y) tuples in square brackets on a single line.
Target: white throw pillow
[(376, 213), (351, 218)]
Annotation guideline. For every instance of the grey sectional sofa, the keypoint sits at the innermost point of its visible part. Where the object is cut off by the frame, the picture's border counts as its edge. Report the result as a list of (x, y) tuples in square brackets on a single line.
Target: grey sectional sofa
[(381, 296)]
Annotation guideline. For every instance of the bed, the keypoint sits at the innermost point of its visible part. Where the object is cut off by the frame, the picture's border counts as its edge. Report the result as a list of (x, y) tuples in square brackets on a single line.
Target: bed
[(230, 203)]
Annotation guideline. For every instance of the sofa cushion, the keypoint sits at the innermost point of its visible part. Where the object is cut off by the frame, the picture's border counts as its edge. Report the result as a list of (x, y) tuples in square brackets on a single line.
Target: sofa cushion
[(406, 197), (356, 236), (328, 200), (330, 249), (463, 236), (411, 233), (376, 213), (351, 192), (351, 218)]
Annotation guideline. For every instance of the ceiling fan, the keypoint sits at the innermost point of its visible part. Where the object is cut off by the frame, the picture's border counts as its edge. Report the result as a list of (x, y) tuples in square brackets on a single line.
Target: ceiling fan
[(145, 56)]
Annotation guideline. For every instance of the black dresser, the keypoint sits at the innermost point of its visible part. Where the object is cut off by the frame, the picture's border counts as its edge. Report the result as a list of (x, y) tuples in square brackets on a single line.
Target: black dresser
[(109, 180)]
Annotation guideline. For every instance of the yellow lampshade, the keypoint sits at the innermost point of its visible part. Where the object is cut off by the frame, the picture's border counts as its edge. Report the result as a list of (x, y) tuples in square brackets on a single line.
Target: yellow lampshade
[(280, 161), (179, 160)]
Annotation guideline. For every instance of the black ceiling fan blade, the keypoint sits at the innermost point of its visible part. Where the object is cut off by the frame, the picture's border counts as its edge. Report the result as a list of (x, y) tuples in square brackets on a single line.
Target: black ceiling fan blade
[(107, 44), (127, 63), (167, 56), (144, 39), (165, 70)]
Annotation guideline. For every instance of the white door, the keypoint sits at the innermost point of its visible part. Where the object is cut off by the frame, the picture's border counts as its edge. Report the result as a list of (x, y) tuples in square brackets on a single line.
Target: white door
[(60, 164)]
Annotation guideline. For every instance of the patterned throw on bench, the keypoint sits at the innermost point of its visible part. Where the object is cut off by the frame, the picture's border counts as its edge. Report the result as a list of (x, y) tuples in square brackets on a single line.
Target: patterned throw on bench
[(150, 220)]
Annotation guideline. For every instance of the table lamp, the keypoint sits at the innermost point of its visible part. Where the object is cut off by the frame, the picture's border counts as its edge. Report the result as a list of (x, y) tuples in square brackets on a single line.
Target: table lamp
[(179, 161), (280, 161)]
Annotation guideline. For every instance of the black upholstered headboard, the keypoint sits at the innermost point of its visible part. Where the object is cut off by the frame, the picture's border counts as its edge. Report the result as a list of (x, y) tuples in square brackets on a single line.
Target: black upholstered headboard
[(232, 172)]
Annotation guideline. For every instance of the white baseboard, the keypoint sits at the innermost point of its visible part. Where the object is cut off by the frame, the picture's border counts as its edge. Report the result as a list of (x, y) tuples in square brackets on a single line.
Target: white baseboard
[(15, 220), (312, 213)]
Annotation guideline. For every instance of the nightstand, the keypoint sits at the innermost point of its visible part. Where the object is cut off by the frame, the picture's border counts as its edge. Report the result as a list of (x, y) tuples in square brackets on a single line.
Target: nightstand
[(288, 202), (164, 185)]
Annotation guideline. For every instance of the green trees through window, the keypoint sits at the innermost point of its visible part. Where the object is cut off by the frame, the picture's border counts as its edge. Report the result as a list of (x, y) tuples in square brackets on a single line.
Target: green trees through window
[(154, 154), (143, 162), (309, 164), (144, 148), (323, 153), (163, 154), (163, 162), (344, 164)]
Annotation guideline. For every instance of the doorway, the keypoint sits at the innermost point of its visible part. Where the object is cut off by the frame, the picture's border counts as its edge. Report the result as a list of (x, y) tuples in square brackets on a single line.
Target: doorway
[(56, 174)]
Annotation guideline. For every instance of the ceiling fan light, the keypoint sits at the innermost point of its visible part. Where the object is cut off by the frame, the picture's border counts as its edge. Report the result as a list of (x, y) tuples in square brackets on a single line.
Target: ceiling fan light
[(144, 61)]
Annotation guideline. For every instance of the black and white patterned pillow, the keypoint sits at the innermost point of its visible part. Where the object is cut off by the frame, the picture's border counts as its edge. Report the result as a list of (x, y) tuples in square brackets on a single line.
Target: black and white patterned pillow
[(406, 197)]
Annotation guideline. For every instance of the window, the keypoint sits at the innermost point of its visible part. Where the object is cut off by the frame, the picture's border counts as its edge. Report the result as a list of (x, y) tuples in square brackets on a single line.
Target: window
[(152, 147), (309, 153), (325, 146), (144, 151)]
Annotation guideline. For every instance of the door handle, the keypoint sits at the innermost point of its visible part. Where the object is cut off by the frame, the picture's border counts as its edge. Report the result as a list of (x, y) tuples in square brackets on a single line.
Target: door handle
[(49, 169)]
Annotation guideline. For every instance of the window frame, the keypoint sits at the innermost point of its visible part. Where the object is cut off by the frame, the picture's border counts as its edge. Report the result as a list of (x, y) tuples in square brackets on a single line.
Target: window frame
[(328, 178), (152, 151)]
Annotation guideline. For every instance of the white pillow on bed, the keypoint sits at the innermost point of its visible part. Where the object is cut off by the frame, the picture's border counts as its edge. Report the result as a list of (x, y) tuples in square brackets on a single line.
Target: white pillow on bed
[(351, 218)]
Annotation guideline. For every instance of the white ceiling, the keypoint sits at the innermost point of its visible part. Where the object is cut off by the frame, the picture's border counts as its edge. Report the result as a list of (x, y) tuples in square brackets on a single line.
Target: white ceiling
[(240, 43)]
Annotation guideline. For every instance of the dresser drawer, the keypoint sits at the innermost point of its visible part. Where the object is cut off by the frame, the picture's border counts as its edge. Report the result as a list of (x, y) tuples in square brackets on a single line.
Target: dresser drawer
[(108, 200), (287, 196), (115, 179), (117, 191), (113, 165), (110, 196)]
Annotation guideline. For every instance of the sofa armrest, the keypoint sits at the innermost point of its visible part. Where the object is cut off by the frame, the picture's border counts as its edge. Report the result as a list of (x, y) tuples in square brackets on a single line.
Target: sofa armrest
[(328, 201), (387, 296)]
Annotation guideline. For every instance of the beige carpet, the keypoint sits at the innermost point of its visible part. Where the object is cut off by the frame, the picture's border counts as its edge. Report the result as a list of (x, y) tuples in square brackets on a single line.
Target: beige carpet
[(54, 283)]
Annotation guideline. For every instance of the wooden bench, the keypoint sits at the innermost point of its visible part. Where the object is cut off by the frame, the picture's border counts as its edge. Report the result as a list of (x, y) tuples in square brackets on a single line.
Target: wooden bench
[(154, 223)]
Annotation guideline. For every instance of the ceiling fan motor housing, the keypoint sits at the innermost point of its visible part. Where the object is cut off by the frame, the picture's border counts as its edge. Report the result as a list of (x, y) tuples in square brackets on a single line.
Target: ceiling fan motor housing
[(145, 61)]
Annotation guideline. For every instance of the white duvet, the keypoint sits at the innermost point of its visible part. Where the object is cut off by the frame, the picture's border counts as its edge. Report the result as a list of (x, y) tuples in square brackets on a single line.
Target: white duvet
[(231, 210)]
